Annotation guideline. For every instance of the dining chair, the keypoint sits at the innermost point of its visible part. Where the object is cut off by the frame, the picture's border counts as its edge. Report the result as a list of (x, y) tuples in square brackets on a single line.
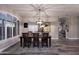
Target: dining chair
[(36, 40), (45, 38), (24, 34), (30, 35), (25, 39)]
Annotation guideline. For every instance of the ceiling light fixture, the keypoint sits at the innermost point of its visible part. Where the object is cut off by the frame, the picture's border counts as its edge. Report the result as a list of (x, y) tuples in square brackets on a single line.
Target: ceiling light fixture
[(39, 17)]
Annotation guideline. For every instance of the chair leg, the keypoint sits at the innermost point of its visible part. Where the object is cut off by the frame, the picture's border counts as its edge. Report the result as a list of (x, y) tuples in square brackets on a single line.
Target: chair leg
[(33, 44), (24, 45), (28, 46), (47, 43), (42, 44), (38, 44), (30, 43), (24, 42)]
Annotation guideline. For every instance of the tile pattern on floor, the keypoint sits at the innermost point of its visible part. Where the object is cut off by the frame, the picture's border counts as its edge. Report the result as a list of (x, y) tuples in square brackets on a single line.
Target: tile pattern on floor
[(66, 47)]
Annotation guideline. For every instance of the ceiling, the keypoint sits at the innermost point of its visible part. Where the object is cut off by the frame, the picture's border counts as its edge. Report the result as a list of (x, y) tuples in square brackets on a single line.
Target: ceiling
[(49, 9)]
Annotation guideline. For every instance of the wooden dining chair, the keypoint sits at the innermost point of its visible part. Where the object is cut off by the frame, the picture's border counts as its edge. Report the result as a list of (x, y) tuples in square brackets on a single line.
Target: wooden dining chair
[(45, 39), (24, 34), (30, 35), (36, 40), (29, 41), (25, 39)]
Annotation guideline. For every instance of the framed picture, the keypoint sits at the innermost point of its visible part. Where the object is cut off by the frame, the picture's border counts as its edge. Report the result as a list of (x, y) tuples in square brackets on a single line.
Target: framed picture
[(25, 25)]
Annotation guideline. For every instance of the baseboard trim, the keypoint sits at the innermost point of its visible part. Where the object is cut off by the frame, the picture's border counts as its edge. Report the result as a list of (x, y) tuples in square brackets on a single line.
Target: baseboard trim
[(73, 38), (67, 38), (54, 38)]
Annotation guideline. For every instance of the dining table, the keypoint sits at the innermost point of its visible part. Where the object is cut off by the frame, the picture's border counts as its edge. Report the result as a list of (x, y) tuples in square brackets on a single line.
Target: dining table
[(22, 40)]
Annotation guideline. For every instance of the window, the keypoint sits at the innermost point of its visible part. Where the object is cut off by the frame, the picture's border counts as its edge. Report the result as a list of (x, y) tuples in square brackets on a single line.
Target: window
[(3, 29), (0, 29), (14, 29), (9, 17), (9, 26), (9, 29), (9, 32), (17, 27)]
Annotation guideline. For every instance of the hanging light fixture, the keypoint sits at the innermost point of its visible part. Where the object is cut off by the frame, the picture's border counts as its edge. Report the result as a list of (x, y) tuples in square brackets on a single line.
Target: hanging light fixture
[(39, 19), (38, 16), (39, 22)]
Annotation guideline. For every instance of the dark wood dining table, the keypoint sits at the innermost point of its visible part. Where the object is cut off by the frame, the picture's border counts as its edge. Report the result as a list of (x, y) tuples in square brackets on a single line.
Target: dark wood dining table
[(22, 40)]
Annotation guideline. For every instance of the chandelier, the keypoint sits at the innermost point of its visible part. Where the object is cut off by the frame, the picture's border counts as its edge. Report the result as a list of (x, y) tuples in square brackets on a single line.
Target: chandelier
[(41, 16), (40, 21)]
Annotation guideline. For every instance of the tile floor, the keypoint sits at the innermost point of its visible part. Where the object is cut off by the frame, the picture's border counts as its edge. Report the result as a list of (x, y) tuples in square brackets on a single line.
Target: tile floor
[(59, 47)]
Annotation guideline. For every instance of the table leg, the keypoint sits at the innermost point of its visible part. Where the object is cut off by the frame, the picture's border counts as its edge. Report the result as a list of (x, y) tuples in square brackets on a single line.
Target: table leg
[(49, 42), (21, 41), (24, 42)]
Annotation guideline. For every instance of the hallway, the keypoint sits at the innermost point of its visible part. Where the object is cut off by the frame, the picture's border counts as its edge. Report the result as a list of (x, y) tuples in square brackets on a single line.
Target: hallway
[(68, 47)]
